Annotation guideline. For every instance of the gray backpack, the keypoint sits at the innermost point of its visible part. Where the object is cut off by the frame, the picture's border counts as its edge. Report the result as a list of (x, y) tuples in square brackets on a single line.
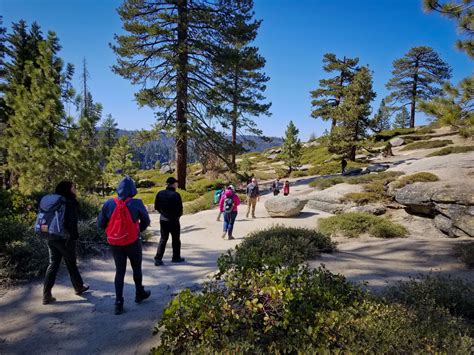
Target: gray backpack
[(50, 221)]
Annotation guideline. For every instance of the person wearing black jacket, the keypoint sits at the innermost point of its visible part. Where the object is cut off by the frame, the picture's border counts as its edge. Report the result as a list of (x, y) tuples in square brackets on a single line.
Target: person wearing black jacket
[(64, 248), (168, 203)]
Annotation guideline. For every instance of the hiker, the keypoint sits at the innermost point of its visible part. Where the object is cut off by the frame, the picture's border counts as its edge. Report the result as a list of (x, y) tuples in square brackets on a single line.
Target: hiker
[(343, 166), (62, 207), (123, 218), (253, 195), (168, 203), (286, 188), (217, 198), (276, 187), (228, 205)]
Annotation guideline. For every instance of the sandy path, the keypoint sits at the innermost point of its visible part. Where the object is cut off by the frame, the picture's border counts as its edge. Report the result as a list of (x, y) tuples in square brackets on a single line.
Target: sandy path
[(87, 325)]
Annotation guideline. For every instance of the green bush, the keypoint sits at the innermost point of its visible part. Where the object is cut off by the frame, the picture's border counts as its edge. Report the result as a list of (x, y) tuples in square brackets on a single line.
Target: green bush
[(427, 144), (299, 173), (204, 202), (204, 185), (452, 150), (297, 310), (354, 224), (417, 177), (361, 198), (92, 240), (146, 184), (89, 206), (324, 183), (390, 133), (385, 177), (465, 251), (429, 291), (274, 247)]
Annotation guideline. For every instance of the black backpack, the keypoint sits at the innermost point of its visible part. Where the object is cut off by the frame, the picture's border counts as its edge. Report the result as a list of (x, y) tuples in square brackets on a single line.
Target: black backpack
[(228, 204)]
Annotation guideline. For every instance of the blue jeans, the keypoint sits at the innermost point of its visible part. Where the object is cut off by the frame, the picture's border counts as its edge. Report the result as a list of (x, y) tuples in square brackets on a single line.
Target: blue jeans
[(229, 219)]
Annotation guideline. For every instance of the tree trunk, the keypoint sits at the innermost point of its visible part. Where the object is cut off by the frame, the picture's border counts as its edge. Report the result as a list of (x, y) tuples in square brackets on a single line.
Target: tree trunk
[(413, 96), (235, 117), (182, 94)]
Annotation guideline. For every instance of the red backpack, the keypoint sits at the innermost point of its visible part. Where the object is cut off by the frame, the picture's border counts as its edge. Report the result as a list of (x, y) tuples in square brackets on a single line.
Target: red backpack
[(121, 230)]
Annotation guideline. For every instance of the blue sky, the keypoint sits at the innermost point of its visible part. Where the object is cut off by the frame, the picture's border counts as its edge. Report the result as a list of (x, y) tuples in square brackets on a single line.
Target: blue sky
[(293, 38)]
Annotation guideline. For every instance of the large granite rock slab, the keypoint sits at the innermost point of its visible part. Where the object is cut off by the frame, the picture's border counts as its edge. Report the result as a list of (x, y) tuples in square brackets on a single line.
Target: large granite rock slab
[(284, 206)]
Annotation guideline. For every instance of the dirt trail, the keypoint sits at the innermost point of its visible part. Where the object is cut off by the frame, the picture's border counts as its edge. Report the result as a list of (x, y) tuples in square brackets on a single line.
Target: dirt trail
[(86, 325)]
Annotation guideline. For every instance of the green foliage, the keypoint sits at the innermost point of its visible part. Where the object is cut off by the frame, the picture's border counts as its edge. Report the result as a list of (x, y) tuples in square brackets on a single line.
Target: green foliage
[(203, 202), (381, 120), (420, 71), (333, 167), (316, 154), (299, 173), (205, 185), (417, 177), (465, 251), (121, 161), (427, 144), (263, 175), (361, 198), (388, 134), (274, 247), (384, 176), (145, 184), (298, 310), (245, 165), (402, 119), (452, 150), (355, 223), (432, 291), (291, 149)]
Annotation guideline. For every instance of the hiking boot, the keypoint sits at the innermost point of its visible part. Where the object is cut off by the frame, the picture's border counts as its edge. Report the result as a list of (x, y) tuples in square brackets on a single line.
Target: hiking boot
[(224, 235), (143, 295), (158, 262), (83, 289), (48, 299), (254, 216), (230, 237), (118, 307), (178, 260)]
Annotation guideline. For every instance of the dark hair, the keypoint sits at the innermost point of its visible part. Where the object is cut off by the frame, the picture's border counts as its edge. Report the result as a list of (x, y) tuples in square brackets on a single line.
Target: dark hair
[(64, 189)]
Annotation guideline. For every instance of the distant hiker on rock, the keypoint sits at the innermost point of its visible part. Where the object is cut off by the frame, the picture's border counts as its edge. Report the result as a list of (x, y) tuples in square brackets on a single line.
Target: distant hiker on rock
[(123, 218), (253, 195), (286, 188), (276, 186), (228, 205), (170, 206), (343, 165), (57, 224)]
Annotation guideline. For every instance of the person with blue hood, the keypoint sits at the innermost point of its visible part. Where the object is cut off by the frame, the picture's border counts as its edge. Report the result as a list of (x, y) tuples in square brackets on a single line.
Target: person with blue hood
[(130, 215)]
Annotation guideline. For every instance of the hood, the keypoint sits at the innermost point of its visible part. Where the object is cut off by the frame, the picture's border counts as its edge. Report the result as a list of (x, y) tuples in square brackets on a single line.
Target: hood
[(51, 202), (229, 193), (126, 188)]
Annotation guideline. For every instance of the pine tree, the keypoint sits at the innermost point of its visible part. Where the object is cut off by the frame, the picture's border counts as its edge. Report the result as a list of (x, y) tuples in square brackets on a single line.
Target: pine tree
[(108, 135), (291, 149), (402, 119), (168, 51), (353, 115), (331, 92), (120, 161), (238, 94), (417, 76), (3, 105), (463, 12), (456, 108), (381, 120), (35, 138)]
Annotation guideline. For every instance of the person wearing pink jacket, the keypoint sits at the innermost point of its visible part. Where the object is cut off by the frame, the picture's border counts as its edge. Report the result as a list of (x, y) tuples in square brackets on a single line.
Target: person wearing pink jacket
[(228, 205)]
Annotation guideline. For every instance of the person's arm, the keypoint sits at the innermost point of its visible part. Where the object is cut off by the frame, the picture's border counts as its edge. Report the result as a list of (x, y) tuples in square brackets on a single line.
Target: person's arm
[(71, 219), (157, 203), (180, 205), (143, 216), (103, 219), (221, 202), (236, 200)]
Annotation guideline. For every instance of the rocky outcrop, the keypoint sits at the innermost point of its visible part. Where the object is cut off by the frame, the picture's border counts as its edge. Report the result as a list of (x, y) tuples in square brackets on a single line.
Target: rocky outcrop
[(353, 172), (284, 206), (397, 141), (375, 209), (451, 206), (376, 168), (166, 168)]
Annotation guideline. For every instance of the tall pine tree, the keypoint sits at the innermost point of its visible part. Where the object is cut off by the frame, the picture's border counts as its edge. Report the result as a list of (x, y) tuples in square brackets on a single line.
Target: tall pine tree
[(120, 161), (353, 115), (402, 119), (381, 119), (417, 76), (291, 149), (3, 105), (331, 91)]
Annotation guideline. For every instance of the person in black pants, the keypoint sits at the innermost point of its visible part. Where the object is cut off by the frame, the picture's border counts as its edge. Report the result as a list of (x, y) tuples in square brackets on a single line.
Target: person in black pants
[(64, 248), (168, 203), (132, 249)]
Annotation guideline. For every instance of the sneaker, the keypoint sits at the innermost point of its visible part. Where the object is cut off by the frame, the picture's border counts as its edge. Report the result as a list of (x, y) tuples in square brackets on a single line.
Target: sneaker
[(118, 307), (83, 289), (158, 262), (224, 235), (142, 296), (48, 299), (230, 237), (180, 260)]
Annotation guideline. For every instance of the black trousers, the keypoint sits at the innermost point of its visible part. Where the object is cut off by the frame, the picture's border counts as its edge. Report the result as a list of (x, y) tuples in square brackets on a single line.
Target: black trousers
[(134, 253), (59, 249), (167, 227)]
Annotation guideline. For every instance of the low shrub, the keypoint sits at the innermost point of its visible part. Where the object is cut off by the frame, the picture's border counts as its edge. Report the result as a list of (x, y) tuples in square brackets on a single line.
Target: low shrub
[(361, 198), (92, 240), (426, 129), (465, 251), (427, 144), (145, 184), (263, 175), (203, 202), (417, 177), (274, 247), (298, 310), (390, 133), (356, 223), (299, 173), (429, 291), (204, 185), (89, 206), (324, 183), (452, 150), (384, 176)]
